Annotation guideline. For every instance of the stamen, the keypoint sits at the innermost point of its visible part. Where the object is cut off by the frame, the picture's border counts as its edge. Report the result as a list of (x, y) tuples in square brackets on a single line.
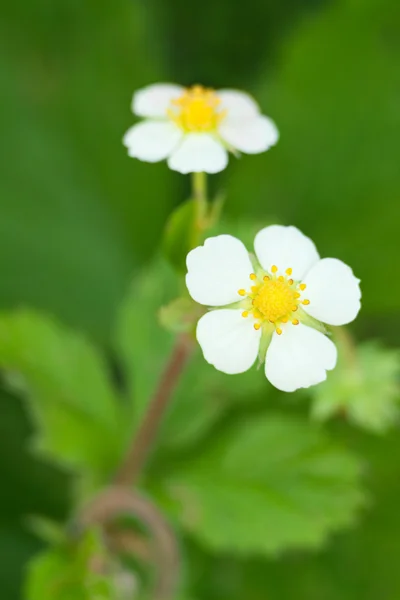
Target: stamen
[(245, 313), (306, 302), (253, 276), (290, 281), (281, 278), (297, 295), (278, 331), (289, 271), (266, 278), (302, 286), (274, 269), (242, 292), (284, 320), (295, 322), (294, 308), (257, 326), (254, 288)]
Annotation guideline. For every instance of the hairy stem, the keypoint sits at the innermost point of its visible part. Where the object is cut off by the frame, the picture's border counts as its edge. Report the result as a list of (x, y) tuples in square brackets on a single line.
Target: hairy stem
[(143, 441), (199, 191)]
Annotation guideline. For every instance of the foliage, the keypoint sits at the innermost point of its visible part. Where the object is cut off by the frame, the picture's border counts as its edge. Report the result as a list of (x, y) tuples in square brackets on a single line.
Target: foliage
[(264, 485), (74, 571), (364, 388), (74, 407)]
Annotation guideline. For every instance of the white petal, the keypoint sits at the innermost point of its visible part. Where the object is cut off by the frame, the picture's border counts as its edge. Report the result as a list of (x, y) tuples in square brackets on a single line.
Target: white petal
[(229, 341), (217, 270), (285, 247), (333, 291), (250, 135), (152, 140), (199, 152), (299, 358), (238, 104), (154, 100)]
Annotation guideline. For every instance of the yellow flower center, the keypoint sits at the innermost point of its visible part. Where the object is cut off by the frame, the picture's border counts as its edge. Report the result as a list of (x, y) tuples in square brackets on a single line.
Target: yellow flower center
[(274, 299), (197, 110)]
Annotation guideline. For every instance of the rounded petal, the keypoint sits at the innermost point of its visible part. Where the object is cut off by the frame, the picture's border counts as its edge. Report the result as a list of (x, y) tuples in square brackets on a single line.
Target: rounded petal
[(238, 104), (199, 152), (298, 358), (251, 135), (229, 341), (154, 100), (285, 247), (334, 292), (217, 270), (152, 141)]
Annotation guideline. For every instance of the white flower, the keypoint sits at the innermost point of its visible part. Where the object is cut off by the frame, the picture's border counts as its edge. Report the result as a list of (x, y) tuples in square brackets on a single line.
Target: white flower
[(281, 301), (195, 127)]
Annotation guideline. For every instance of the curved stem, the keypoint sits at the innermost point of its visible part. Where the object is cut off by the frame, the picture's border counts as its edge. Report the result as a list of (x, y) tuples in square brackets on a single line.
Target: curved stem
[(143, 441), (118, 501)]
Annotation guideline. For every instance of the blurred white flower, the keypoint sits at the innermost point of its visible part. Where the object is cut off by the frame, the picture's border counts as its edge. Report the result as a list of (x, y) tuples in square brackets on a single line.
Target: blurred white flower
[(194, 128), (281, 301)]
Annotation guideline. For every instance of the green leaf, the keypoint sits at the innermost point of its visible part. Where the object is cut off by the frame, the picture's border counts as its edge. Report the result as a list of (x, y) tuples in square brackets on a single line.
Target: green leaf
[(181, 234), (365, 388), (266, 484), (73, 571), (67, 390)]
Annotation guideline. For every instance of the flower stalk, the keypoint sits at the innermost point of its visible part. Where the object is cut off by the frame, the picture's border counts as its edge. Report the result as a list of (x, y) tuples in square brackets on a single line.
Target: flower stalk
[(199, 193), (143, 441)]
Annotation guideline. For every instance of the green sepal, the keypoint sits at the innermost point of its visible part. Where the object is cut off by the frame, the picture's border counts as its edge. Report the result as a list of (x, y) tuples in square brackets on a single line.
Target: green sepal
[(266, 337), (306, 319)]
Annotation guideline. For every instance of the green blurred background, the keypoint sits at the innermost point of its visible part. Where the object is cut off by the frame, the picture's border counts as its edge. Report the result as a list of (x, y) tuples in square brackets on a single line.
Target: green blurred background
[(78, 217)]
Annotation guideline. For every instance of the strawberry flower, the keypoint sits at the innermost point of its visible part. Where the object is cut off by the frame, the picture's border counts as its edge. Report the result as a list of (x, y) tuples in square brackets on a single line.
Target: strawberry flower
[(273, 307), (194, 128)]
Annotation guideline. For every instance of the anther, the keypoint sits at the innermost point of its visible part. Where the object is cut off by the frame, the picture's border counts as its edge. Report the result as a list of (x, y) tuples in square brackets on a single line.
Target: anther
[(274, 269), (242, 292), (281, 278), (257, 326), (294, 308), (306, 302), (254, 288), (297, 295), (290, 281), (278, 331), (284, 319), (253, 276), (302, 286), (266, 278), (245, 313), (289, 271), (295, 322)]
